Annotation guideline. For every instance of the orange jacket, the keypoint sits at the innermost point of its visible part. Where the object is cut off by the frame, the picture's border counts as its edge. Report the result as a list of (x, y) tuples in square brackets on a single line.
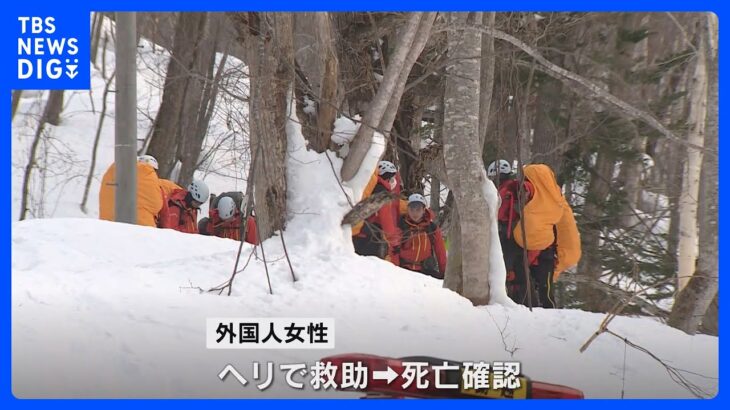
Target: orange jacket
[(168, 186), (231, 229), (149, 196), (177, 215), (546, 210), (420, 241)]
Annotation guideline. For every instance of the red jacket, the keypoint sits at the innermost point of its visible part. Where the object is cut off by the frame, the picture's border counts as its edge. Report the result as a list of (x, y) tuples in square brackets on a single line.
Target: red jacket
[(420, 241), (176, 214), (509, 209), (386, 220), (231, 229)]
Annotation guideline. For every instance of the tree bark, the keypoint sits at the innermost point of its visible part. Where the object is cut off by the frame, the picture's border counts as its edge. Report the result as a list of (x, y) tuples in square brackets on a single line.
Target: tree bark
[(711, 321), (98, 23), (200, 96), (545, 143), (419, 43), (15, 102), (51, 109), (364, 137), (486, 81), (693, 301), (269, 44), (590, 263), (54, 106), (462, 157), (328, 95), (168, 129), (688, 201)]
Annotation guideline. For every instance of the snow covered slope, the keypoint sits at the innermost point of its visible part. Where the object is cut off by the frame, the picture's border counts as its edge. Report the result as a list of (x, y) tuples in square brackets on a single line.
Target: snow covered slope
[(111, 310), (106, 309)]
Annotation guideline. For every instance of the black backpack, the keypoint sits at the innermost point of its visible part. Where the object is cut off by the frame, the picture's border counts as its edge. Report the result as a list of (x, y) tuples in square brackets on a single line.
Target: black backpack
[(237, 197)]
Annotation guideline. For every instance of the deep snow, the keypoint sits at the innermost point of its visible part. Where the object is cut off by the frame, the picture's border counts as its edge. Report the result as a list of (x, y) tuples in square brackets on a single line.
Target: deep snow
[(102, 309)]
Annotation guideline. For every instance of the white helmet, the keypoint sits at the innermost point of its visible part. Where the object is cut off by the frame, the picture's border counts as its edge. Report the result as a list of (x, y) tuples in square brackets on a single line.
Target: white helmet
[(417, 198), (199, 190), (148, 159), (504, 168), (386, 167), (226, 208)]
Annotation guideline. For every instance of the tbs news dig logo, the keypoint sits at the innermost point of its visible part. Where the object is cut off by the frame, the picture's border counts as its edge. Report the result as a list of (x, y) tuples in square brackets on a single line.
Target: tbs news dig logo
[(50, 55)]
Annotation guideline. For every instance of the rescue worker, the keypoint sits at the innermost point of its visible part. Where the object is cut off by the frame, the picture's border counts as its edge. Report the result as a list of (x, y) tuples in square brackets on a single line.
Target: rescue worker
[(166, 185), (500, 172), (224, 219), (149, 197), (421, 240), (180, 210), (553, 241), (379, 235)]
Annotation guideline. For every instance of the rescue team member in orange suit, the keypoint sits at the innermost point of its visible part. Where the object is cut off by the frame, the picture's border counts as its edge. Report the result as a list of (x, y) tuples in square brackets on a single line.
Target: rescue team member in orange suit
[(421, 240), (553, 241), (224, 220), (180, 210), (381, 228), (149, 196)]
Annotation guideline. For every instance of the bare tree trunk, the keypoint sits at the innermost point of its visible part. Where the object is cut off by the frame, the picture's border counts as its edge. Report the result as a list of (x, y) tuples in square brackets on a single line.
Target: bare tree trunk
[(711, 321), (630, 175), (454, 276), (103, 56), (630, 56), (462, 157), (693, 301), (50, 110), (168, 128), (328, 94), (386, 92), (688, 201), (16, 101), (590, 264), (269, 43), (54, 106), (98, 23), (487, 77), (674, 191), (200, 96), (419, 43), (545, 147), (97, 137), (438, 139)]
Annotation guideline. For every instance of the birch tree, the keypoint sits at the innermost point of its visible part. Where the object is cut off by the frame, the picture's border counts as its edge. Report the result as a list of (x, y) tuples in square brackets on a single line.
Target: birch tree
[(696, 297), (389, 93), (463, 162), (689, 199)]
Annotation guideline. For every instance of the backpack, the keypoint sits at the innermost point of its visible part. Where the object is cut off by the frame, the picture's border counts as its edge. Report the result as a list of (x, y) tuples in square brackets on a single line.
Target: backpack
[(237, 197), (430, 231)]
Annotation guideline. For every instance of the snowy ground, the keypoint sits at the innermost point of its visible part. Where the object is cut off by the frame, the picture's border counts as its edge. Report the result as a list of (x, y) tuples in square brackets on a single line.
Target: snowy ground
[(103, 309), (111, 310)]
